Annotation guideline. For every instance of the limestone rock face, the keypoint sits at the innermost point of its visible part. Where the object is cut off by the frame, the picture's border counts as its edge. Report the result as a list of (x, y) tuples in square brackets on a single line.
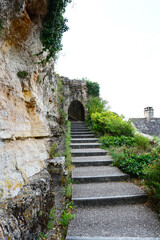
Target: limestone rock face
[(28, 120), (28, 106)]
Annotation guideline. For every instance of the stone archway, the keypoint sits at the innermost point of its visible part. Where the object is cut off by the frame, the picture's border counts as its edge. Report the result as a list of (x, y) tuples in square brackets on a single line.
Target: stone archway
[(76, 111)]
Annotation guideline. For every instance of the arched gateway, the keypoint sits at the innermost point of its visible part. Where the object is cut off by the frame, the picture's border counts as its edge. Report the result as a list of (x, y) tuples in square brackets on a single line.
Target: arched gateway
[(76, 111), (75, 98)]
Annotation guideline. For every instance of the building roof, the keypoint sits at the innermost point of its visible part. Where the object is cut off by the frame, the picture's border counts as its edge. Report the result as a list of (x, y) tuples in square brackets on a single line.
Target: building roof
[(148, 126)]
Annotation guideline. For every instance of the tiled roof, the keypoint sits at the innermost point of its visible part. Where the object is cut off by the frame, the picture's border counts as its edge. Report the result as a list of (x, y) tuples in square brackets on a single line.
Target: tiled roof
[(147, 126)]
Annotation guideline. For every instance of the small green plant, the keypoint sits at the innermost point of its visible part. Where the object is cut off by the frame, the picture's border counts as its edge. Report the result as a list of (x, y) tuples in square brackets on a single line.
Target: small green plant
[(68, 191), (39, 80), (52, 218), (1, 26), (40, 213), (22, 74), (67, 152), (66, 217), (53, 150), (41, 236)]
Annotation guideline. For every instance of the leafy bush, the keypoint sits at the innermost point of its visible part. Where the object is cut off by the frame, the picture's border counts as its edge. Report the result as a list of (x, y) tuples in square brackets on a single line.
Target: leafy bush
[(111, 123), (131, 163), (93, 88), (152, 177), (95, 104), (108, 141), (142, 141)]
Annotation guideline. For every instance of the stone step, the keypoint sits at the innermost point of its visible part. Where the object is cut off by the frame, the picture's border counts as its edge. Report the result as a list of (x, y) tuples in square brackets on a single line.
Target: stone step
[(92, 161), (118, 222), (107, 193), (85, 145), (98, 174), (81, 133), (84, 140), (108, 238), (80, 129), (133, 222), (83, 136), (88, 152)]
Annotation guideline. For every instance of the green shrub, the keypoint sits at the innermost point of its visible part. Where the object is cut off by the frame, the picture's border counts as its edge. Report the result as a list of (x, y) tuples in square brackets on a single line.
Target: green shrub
[(95, 104), (108, 141), (142, 142), (111, 123), (93, 88), (22, 74), (152, 177), (131, 163)]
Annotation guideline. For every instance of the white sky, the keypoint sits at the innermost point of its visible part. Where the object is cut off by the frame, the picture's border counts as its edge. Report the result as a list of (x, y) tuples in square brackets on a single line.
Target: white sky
[(117, 44)]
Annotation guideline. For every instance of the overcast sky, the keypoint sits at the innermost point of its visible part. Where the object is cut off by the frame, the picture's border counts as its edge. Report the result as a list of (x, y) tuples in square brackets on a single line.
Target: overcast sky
[(117, 44)]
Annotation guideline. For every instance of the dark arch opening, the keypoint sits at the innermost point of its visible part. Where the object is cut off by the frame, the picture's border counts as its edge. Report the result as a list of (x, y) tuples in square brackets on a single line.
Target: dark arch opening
[(76, 111)]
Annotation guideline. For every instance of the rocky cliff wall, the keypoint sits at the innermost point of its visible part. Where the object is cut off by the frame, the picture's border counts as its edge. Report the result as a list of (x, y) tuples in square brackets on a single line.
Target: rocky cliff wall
[(28, 119)]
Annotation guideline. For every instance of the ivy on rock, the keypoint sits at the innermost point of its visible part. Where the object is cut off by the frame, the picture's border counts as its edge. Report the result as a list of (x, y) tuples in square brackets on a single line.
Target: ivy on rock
[(53, 28)]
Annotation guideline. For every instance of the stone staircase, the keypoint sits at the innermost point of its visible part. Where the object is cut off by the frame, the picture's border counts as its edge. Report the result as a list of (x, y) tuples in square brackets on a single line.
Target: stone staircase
[(109, 207)]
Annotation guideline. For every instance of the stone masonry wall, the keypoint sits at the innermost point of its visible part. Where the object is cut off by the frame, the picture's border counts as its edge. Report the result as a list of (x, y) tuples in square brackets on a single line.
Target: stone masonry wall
[(74, 90)]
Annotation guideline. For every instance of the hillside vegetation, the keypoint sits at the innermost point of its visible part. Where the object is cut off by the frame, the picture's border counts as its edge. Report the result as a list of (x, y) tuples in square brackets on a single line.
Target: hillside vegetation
[(132, 152)]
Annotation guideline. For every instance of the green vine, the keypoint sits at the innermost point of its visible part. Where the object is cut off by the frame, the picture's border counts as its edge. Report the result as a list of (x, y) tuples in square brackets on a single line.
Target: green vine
[(93, 88), (53, 28)]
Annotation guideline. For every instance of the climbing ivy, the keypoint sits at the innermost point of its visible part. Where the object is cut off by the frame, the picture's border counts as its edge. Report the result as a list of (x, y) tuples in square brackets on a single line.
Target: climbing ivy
[(93, 88), (53, 28)]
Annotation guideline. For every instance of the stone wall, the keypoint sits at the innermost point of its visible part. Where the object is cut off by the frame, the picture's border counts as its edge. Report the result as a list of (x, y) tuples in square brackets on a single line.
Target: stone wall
[(74, 90)]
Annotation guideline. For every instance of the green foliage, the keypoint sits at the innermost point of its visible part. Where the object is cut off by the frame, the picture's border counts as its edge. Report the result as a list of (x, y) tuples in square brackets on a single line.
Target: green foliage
[(60, 99), (68, 191), (108, 141), (53, 28), (95, 104), (22, 74), (110, 123), (142, 141), (66, 217), (1, 26), (152, 176), (67, 152), (41, 236), (53, 150), (93, 88), (52, 217), (132, 163)]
